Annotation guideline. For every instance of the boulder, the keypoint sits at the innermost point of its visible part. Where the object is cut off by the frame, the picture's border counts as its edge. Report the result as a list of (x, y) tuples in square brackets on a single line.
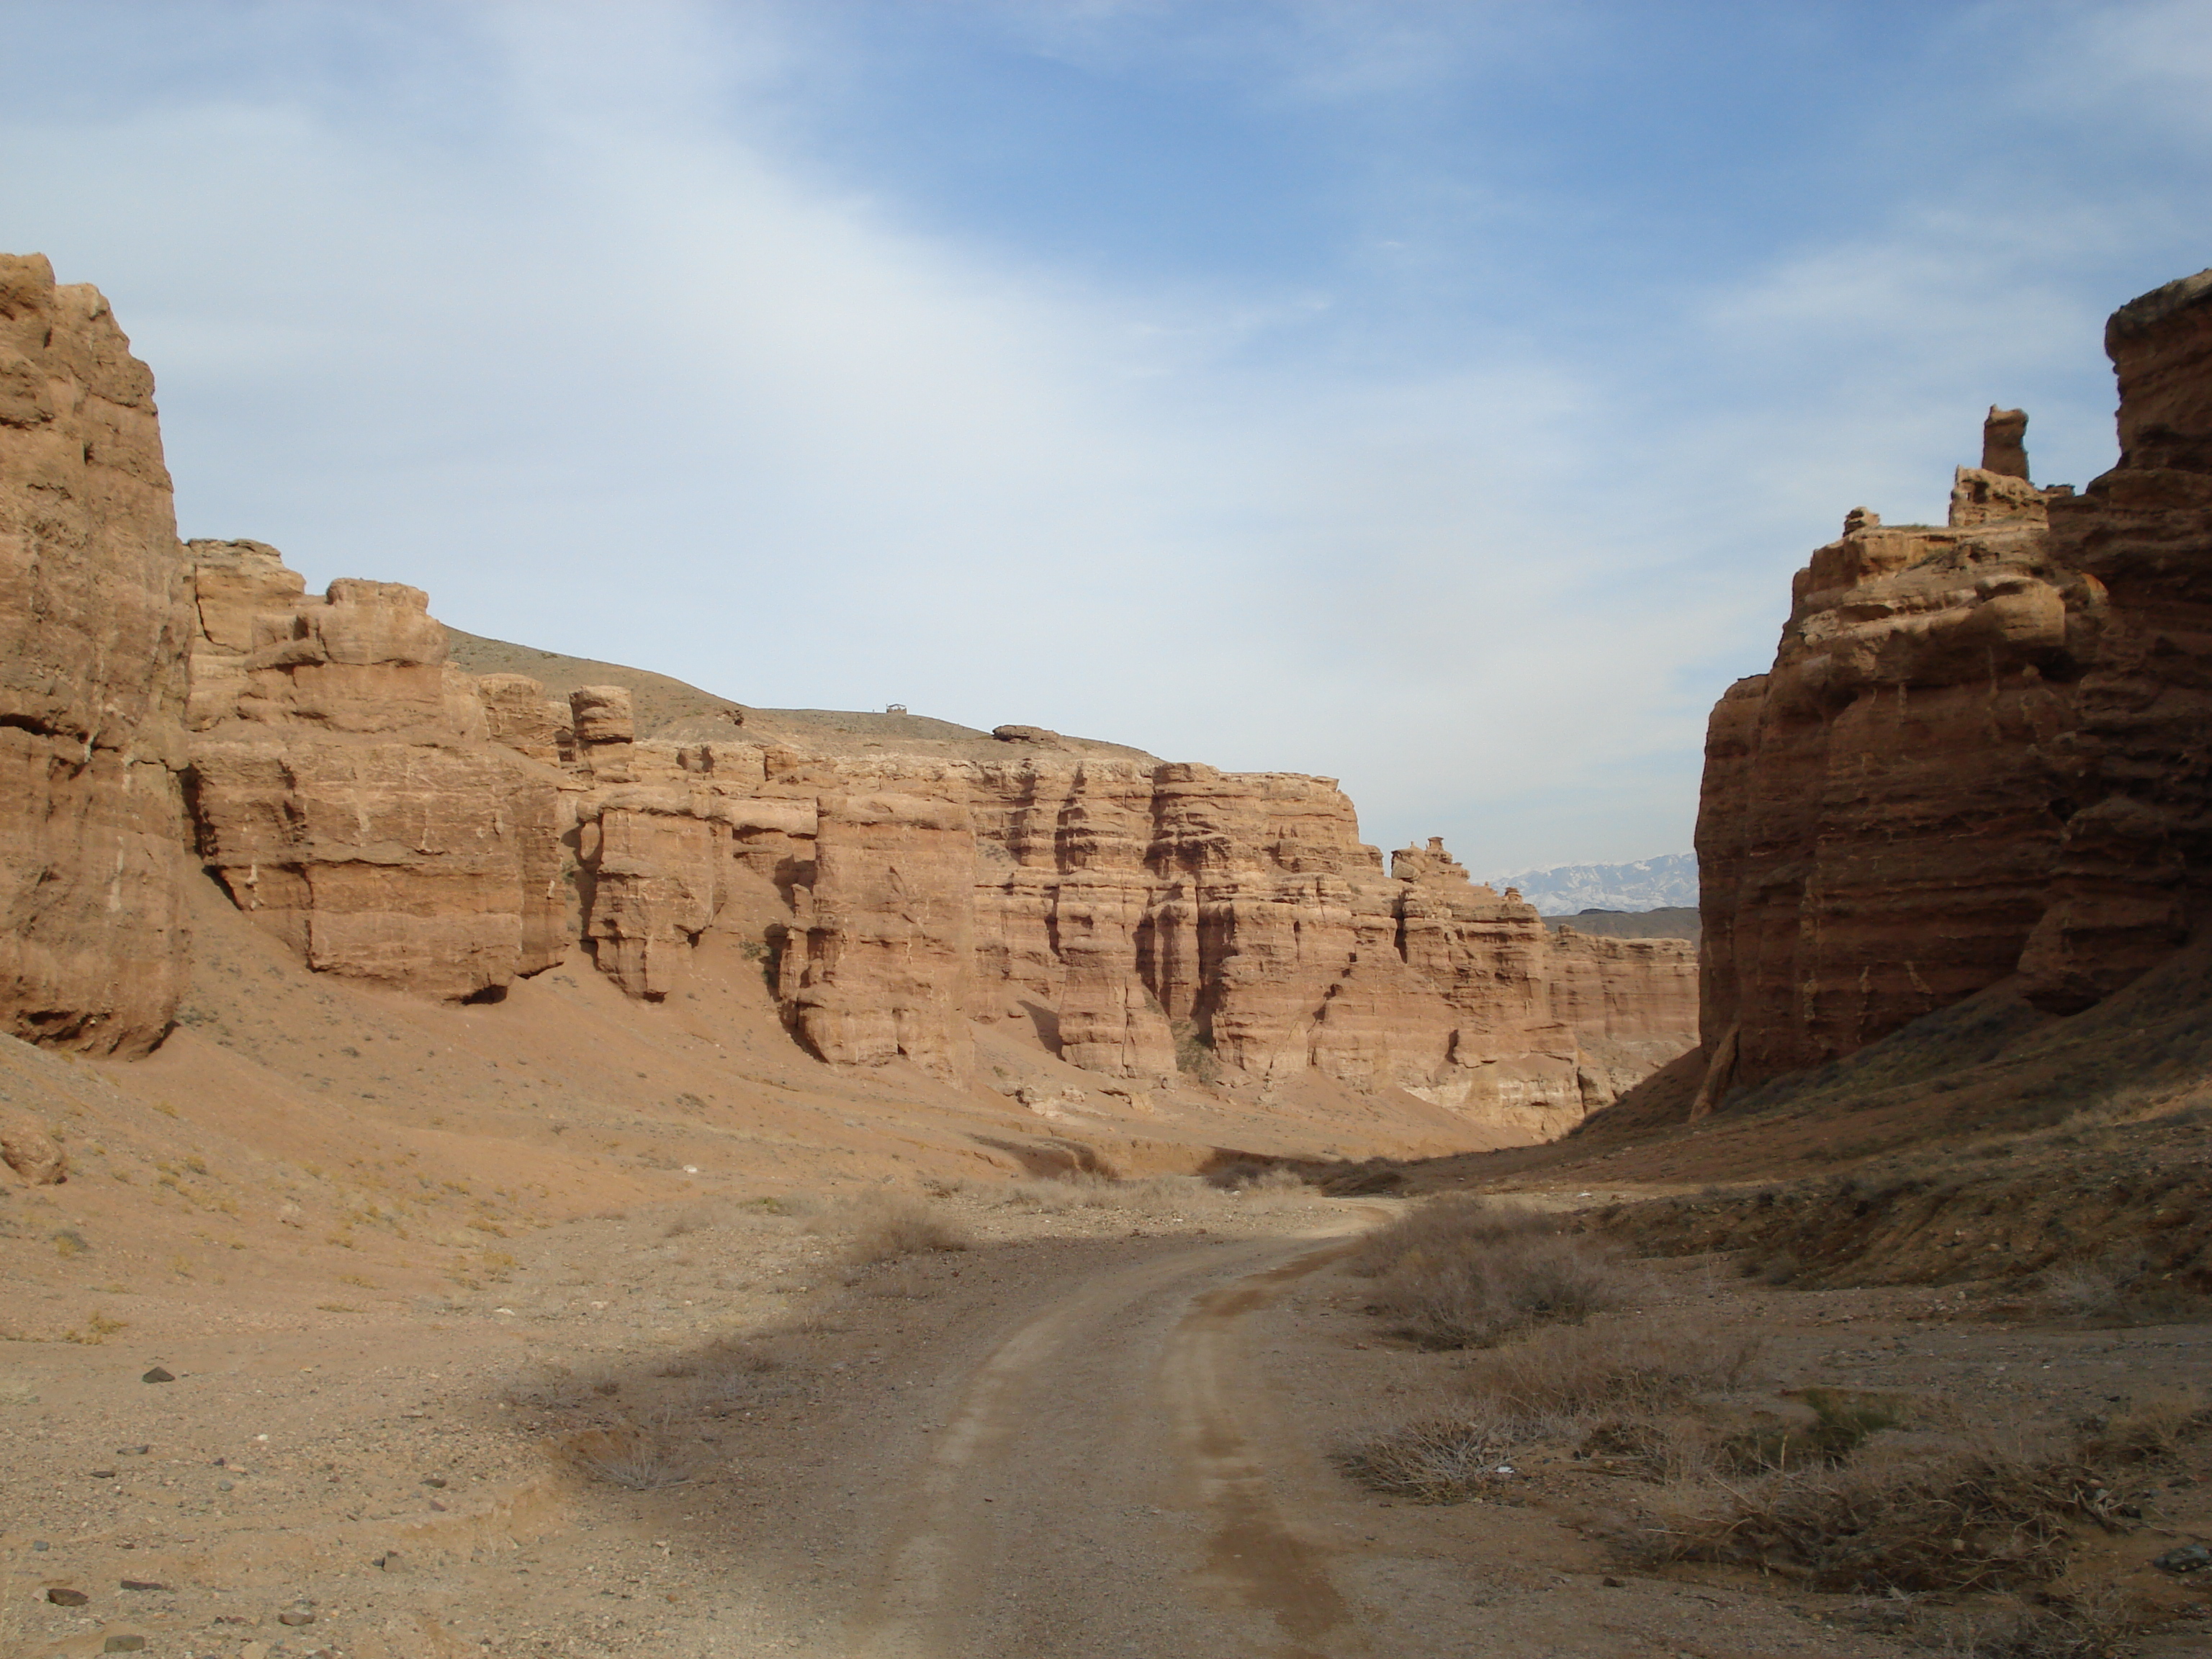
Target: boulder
[(26, 1148)]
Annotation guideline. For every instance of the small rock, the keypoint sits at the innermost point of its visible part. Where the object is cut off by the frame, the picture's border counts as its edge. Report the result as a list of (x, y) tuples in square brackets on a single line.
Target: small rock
[(434, 1480), (26, 1148), (1612, 1583), (40, 1545), (124, 1645), (132, 1451), (159, 1375), (392, 1561), (142, 1584), (296, 1616), (436, 1505), (67, 1598), (101, 1474), (254, 1650), (2190, 1558), (226, 1486)]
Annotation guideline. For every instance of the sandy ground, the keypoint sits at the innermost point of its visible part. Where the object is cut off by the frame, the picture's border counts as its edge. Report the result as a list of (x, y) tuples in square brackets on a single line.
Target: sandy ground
[(1103, 1431)]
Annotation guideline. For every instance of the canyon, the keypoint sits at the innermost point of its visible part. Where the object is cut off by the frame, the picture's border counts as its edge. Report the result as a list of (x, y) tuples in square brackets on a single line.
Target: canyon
[(457, 1096), (1980, 755), (187, 710)]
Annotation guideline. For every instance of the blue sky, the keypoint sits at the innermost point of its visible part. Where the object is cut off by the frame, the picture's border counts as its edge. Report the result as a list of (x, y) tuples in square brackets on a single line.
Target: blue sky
[(1435, 396)]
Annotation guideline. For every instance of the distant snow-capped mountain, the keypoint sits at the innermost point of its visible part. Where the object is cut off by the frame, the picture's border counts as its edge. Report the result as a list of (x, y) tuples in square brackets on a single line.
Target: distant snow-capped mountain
[(1647, 885)]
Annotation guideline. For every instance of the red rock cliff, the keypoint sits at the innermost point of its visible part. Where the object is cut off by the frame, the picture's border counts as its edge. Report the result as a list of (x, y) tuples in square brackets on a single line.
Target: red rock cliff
[(93, 627), (394, 818), (1981, 748)]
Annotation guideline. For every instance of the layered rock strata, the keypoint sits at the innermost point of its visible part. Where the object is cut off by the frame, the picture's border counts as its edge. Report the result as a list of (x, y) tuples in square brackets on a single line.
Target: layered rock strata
[(344, 787), (395, 819), (1981, 749), (92, 631), (1135, 918)]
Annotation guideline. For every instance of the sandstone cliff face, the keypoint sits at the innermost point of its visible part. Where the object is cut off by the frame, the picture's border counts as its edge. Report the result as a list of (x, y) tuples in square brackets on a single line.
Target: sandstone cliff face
[(395, 819), (92, 625), (344, 788), (1980, 750)]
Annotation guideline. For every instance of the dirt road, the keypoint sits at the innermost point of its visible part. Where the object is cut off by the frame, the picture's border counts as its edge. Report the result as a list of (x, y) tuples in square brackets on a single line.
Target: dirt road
[(1103, 1486), (1091, 1434)]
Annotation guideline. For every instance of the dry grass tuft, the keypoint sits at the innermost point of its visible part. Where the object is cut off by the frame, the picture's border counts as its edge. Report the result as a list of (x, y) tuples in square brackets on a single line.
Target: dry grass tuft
[(1164, 1195), (1575, 1375), (1442, 1461), (887, 1225), (1468, 1272), (1981, 1514), (1624, 1394), (636, 1460), (2095, 1625)]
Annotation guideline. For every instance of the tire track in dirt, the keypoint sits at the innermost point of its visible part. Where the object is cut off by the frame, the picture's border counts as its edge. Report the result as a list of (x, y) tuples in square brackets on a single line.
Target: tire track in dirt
[(1097, 1488)]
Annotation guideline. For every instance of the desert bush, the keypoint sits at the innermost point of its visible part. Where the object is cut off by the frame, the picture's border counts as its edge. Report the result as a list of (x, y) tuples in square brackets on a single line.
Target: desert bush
[(2122, 1287), (1625, 1396), (1572, 1375), (888, 1226), (1194, 1054), (730, 1376), (1844, 1419), (799, 1205), (1445, 1227), (2095, 1625), (636, 1460), (1441, 1461), (1979, 1514), (1464, 1273), (2149, 1432), (1081, 1189)]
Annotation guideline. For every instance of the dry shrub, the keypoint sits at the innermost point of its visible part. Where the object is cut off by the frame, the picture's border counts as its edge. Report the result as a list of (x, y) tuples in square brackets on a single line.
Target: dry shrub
[(1083, 1189), (731, 1376), (1979, 1515), (1573, 1375), (2150, 1432), (802, 1206), (887, 1225), (1251, 1174), (1626, 1394), (1443, 1226), (2121, 1287), (2095, 1625), (1464, 1273), (1442, 1461), (636, 1460)]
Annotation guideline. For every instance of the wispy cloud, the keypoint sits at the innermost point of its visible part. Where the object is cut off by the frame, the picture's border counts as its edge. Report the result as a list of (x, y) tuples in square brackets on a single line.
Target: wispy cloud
[(591, 321)]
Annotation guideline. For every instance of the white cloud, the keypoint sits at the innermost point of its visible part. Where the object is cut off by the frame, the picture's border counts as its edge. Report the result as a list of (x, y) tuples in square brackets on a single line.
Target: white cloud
[(547, 311)]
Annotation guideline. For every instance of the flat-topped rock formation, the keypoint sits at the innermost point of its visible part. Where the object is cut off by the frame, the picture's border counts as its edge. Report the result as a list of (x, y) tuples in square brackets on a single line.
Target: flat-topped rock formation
[(1980, 752), (435, 812)]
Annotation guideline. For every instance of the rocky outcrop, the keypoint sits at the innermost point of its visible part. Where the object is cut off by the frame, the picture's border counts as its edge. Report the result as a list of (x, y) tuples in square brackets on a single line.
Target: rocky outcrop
[(1980, 750), (345, 788), (1135, 918), (395, 819), (93, 627)]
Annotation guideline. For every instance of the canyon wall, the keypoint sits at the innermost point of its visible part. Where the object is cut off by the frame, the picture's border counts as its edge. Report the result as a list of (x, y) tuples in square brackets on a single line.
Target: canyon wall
[(92, 629), (1981, 750), (394, 818)]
